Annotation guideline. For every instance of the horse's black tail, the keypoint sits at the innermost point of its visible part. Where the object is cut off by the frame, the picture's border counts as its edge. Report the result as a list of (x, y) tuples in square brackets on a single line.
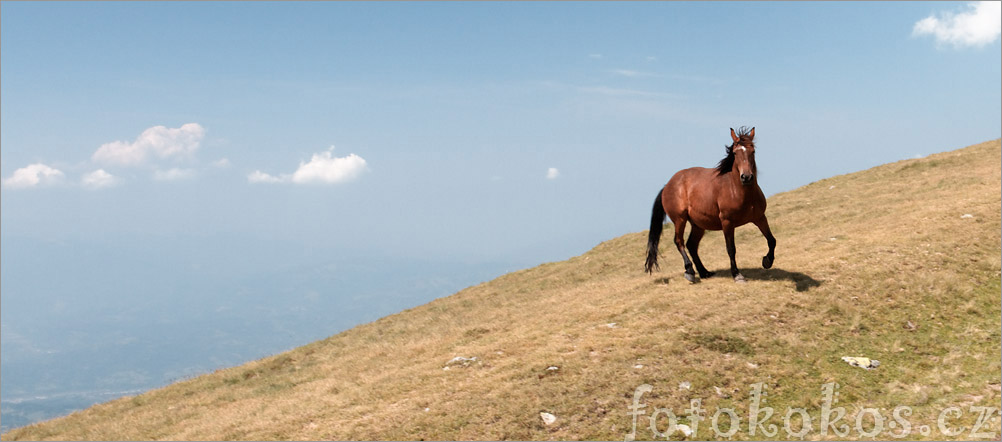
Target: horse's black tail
[(657, 223)]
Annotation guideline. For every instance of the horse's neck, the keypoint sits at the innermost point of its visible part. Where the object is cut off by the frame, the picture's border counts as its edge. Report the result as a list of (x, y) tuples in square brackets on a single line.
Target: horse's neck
[(741, 192)]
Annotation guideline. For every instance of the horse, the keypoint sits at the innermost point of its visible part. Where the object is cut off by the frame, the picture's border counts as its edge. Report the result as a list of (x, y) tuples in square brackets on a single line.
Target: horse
[(720, 198)]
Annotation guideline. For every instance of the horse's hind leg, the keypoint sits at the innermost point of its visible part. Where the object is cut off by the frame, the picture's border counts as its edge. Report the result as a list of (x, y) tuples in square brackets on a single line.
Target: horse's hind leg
[(763, 225), (693, 245), (679, 223)]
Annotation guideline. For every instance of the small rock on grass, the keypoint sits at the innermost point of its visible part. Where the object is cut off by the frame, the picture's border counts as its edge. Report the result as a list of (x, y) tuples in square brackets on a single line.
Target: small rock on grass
[(721, 392), (460, 361), (861, 362)]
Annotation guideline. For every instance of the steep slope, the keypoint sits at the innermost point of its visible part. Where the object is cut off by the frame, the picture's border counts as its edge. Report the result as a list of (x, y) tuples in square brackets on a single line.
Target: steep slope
[(884, 263)]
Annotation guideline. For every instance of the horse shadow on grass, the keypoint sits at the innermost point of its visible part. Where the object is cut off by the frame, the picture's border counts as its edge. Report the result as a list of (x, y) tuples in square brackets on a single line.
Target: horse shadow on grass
[(803, 281)]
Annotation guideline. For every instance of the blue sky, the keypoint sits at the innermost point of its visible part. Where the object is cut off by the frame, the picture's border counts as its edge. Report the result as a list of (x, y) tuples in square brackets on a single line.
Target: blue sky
[(207, 154), (458, 111)]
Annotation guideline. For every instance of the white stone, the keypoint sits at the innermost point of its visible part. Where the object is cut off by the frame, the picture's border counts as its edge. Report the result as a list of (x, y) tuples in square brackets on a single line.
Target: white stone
[(459, 360), (721, 392), (861, 362)]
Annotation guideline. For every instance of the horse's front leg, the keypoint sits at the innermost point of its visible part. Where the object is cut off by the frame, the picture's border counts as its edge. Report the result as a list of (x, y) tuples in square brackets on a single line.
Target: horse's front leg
[(731, 251), (763, 225)]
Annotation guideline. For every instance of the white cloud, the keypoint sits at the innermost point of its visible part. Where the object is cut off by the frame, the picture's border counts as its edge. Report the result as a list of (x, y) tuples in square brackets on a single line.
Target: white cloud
[(322, 168), (98, 179), (326, 168), (157, 141), (633, 74), (173, 174), (979, 24), (32, 175), (260, 177), (222, 163), (595, 56), (620, 92), (552, 173)]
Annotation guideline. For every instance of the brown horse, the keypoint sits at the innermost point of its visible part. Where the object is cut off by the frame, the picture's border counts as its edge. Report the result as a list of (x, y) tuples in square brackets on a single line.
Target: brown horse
[(721, 198)]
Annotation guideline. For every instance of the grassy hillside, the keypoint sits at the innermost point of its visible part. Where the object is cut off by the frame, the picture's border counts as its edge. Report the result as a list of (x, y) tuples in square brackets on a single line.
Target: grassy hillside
[(882, 263)]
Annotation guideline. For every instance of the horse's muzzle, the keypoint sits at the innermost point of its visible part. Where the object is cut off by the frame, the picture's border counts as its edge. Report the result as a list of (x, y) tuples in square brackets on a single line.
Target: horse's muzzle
[(746, 178)]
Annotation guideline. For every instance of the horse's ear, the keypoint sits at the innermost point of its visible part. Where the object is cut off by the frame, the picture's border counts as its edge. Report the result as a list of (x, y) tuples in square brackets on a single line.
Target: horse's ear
[(752, 133), (734, 136)]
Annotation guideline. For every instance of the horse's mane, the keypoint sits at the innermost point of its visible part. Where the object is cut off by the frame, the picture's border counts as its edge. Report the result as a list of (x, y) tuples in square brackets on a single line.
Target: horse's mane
[(727, 164)]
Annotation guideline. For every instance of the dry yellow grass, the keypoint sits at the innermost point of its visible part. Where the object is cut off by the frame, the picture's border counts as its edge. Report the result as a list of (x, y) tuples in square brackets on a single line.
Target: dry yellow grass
[(878, 263)]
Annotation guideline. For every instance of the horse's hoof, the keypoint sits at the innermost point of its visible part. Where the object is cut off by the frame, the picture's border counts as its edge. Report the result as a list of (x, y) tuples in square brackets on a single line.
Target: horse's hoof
[(691, 278), (766, 262), (739, 278), (707, 275)]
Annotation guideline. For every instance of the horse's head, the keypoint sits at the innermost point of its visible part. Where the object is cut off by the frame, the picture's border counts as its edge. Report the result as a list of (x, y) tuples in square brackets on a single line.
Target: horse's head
[(743, 152)]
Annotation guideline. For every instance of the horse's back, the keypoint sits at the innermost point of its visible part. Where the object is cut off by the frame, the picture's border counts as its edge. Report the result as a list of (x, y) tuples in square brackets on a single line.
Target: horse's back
[(693, 176)]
